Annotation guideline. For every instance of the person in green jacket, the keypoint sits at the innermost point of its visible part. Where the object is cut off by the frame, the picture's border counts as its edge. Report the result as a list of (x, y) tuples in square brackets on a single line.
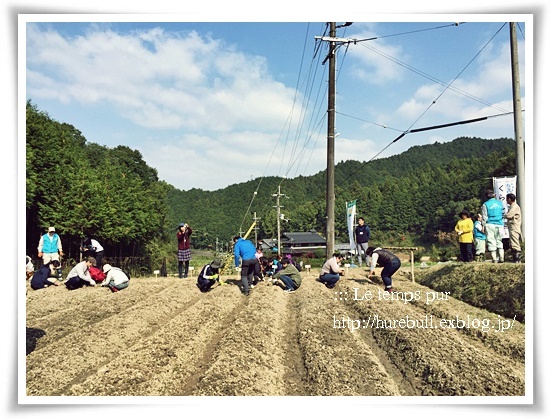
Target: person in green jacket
[(288, 278)]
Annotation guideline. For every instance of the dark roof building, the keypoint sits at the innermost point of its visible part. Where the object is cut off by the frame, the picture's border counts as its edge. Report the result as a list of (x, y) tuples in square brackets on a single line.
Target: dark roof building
[(299, 242)]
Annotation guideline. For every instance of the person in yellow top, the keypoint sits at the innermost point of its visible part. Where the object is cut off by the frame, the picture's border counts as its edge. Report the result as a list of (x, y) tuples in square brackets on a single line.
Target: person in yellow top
[(465, 230)]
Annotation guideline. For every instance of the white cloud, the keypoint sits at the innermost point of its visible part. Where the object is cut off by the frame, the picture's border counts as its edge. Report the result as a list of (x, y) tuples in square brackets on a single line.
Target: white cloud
[(196, 99), (158, 79)]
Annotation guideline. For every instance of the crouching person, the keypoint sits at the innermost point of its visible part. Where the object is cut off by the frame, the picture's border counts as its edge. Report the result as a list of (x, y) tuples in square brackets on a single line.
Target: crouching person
[(80, 275), (116, 278), (209, 275), (40, 279), (331, 271), (29, 268), (288, 278)]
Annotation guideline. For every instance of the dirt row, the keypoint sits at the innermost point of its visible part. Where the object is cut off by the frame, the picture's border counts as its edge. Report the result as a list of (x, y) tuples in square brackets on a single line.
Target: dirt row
[(163, 337)]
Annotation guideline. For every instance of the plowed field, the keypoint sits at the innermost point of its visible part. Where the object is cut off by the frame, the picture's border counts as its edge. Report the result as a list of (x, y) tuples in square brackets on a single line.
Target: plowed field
[(163, 337)]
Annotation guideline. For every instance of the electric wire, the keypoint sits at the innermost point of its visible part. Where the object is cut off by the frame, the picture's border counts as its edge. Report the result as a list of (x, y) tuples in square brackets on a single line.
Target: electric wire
[(314, 127)]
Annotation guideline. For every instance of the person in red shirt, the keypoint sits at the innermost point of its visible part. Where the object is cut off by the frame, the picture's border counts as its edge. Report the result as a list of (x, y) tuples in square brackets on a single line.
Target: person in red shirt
[(184, 249)]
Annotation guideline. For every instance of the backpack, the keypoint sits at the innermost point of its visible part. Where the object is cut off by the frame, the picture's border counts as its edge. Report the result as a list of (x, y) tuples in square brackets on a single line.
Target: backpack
[(126, 273), (97, 274)]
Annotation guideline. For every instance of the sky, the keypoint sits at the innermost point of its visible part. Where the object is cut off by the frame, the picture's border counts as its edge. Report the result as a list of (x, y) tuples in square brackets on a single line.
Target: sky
[(210, 104)]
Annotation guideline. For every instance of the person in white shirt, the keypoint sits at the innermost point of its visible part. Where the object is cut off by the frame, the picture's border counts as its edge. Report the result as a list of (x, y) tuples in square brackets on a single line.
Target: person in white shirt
[(91, 247), (80, 275), (116, 279)]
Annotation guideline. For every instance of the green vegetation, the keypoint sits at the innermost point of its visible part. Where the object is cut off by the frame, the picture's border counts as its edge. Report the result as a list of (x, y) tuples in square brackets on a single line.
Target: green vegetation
[(412, 199), (498, 288)]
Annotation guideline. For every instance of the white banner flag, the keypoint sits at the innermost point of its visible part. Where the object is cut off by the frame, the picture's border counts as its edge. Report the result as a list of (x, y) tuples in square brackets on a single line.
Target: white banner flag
[(351, 208), (503, 186)]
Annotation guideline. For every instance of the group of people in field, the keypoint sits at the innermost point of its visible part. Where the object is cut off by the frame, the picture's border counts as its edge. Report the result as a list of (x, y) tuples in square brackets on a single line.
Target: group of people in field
[(88, 272), (476, 232), (286, 274), (485, 230)]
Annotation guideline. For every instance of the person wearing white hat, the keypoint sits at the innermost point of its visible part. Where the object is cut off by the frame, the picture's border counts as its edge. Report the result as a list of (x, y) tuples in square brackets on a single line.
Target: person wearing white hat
[(49, 246), (116, 278)]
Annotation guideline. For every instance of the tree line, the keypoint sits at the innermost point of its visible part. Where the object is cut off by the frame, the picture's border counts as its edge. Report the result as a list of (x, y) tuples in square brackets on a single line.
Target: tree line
[(83, 188)]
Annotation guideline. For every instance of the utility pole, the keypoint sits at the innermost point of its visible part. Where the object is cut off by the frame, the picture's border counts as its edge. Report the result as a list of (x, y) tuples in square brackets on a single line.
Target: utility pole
[(256, 219), (278, 206), (330, 198), (518, 124)]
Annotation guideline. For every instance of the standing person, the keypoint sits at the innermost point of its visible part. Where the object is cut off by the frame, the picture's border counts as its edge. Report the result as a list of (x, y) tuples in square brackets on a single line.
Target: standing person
[(465, 230), (50, 248), (361, 235), (479, 238), (116, 278), (244, 252), (91, 247), (331, 271), (288, 277), (491, 212), (184, 249), (40, 279), (390, 264), (80, 275), (514, 226), (209, 274)]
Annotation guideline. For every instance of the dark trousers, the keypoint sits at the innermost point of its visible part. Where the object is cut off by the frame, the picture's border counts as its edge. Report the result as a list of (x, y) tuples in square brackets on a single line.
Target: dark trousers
[(249, 268), (99, 258), (466, 252), (389, 270), (205, 284), (75, 282)]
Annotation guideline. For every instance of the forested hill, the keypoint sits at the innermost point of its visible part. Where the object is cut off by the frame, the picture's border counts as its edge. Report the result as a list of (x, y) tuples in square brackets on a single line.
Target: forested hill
[(83, 188), (418, 192), (403, 164)]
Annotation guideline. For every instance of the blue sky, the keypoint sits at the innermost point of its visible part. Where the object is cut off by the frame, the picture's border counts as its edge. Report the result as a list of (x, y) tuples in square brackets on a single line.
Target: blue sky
[(218, 103)]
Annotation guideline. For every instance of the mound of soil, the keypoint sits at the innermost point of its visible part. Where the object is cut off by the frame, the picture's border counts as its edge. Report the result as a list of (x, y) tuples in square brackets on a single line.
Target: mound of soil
[(497, 287), (163, 337)]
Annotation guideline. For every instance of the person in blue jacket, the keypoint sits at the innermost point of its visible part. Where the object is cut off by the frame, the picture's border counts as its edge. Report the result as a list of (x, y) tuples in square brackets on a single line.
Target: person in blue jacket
[(245, 258), (492, 212), (479, 238), (40, 279)]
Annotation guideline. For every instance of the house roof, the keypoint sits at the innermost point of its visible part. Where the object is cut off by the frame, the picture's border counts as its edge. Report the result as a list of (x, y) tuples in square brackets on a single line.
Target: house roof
[(307, 238)]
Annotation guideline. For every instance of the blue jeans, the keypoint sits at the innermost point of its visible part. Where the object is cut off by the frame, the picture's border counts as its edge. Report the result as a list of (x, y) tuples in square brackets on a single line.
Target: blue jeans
[(329, 280), (289, 283), (119, 286)]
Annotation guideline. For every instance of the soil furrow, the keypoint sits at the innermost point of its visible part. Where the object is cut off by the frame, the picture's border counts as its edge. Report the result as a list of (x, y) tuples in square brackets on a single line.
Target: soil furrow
[(162, 337), (446, 361), (85, 345)]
